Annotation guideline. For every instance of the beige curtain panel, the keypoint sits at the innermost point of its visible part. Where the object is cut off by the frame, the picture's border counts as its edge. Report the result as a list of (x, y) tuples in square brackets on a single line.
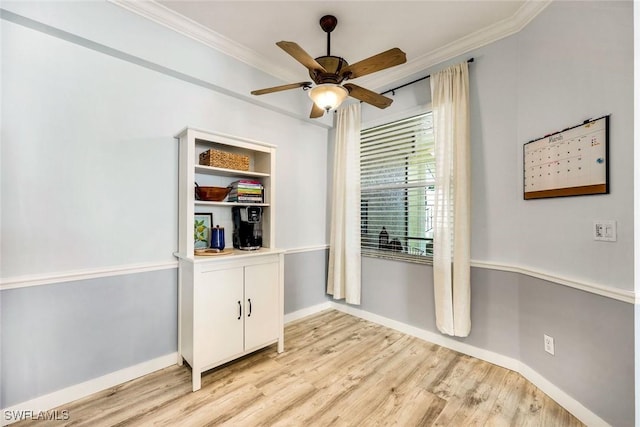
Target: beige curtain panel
[(344, 276), (452, 206)]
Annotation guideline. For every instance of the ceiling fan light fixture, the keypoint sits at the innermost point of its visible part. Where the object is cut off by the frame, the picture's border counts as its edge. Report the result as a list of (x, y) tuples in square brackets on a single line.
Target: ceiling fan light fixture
[(328, 96)]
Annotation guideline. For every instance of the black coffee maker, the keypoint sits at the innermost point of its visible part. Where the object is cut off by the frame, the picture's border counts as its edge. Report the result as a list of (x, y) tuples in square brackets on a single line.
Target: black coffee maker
[(247, 227)]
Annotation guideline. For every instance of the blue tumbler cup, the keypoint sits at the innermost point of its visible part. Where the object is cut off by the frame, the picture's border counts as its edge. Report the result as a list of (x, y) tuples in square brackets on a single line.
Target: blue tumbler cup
[(217, 237)]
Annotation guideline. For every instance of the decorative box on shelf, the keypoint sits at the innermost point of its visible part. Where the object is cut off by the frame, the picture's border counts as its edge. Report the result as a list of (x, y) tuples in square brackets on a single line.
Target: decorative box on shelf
[(223, 159)]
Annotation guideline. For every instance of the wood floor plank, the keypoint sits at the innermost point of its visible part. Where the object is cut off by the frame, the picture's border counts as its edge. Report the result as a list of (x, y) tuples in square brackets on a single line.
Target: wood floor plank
[(535, 408), (272, 407), (505, 409), (407, 404), (333, 384), (301, 334), (324, 344), (406, 407), (355, 360), (473, 398), (111, 406), (337, 370)]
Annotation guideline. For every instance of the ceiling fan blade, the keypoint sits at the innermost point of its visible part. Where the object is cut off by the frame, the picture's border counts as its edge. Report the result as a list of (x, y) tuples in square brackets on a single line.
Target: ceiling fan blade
[(381, 61), (279, 88), (301, 56), (316, 112), (368, 96)]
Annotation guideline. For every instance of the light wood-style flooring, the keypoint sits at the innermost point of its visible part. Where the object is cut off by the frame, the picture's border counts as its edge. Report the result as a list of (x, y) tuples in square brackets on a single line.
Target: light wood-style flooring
[(337, 370)]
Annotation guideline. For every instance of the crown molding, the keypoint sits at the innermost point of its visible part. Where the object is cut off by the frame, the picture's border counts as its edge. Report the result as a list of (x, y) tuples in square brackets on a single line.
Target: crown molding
[(164, 16), (187, 27), (501, 29)]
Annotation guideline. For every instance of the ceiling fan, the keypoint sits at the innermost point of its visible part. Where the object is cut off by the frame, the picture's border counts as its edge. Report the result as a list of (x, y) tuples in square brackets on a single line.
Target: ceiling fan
[(328, 72)]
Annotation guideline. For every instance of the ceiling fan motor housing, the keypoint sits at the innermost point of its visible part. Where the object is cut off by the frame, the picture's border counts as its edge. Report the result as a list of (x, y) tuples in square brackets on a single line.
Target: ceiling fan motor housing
[(333, 65)]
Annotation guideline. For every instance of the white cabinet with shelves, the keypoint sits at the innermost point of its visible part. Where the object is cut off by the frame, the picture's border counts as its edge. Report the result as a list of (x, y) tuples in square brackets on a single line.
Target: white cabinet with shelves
[(232, 304)]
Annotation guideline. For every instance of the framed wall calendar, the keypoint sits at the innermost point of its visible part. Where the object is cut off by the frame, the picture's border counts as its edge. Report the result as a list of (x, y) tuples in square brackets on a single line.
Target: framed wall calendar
[(572, 162)]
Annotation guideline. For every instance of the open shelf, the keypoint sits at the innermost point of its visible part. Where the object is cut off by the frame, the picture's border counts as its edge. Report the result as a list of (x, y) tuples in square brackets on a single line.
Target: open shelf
[(210, 170), (205, 203)]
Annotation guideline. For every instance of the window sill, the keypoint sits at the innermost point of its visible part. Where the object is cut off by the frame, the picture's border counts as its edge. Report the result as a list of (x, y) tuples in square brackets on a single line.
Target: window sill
[(398, 256)]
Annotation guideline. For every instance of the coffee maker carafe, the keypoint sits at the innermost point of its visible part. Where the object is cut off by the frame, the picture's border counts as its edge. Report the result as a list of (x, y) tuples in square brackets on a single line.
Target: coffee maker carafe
[(247, 227)]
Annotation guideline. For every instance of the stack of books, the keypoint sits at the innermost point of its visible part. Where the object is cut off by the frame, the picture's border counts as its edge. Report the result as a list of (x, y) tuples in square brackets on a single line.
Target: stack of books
[(246, 191)]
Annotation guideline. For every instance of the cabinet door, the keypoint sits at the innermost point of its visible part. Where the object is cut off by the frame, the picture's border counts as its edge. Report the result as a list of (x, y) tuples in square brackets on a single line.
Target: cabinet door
[(261, 301), (220, 313)]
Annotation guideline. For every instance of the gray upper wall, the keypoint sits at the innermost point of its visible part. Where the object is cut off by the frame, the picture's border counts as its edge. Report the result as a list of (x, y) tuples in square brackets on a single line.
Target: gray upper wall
[(573, 62), (92, 96)]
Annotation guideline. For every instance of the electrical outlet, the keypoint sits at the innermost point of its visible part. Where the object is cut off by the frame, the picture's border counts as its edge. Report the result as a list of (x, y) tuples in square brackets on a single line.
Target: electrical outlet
[(548, 345)]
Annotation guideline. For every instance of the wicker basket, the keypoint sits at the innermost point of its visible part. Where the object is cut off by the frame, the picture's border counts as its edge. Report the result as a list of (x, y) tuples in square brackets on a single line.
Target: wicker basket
[(222, 159), (211, 194)]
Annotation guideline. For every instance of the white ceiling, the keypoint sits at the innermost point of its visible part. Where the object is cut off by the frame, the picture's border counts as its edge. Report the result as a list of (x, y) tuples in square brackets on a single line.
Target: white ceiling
[(428, 31)]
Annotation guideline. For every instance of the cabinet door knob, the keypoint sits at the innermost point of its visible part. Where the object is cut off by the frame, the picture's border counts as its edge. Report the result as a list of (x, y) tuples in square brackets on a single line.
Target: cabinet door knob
[(239, 310), (249, 315)]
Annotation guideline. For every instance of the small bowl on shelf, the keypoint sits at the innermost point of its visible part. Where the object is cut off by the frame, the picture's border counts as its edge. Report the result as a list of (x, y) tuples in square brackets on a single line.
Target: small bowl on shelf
[(211, 194)]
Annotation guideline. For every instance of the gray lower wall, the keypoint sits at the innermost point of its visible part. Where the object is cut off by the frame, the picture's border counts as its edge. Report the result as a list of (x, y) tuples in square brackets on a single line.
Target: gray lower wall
[(55, 336), (510, 313), (305, 279), (594, 348)]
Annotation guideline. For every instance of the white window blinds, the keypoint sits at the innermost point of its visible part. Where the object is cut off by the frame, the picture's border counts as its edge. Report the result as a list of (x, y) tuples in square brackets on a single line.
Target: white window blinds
[(397, 179)]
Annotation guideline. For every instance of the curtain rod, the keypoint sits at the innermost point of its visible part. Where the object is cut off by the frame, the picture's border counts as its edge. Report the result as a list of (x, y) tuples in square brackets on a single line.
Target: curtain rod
[(414, 81)]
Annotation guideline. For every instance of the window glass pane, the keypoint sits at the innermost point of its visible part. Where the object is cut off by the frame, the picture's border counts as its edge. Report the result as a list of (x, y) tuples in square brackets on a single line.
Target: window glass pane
[(397, 176)]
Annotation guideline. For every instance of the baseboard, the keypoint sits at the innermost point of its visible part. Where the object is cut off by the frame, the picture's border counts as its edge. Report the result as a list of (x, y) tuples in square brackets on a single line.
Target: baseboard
[(299, 314), (551, 390), (42, 406)]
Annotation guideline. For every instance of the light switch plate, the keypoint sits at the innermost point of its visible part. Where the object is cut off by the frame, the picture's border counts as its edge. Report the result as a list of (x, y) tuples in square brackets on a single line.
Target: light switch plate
[(605, 230)]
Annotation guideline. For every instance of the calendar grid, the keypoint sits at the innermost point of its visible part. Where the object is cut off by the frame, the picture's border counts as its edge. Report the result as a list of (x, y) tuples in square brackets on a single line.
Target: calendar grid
[(571, 162)]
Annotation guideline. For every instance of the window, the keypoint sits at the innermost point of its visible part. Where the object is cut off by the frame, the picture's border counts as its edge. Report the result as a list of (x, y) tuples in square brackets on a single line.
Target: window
[(397, 189)]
